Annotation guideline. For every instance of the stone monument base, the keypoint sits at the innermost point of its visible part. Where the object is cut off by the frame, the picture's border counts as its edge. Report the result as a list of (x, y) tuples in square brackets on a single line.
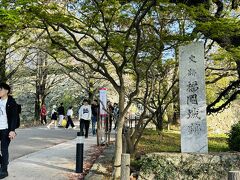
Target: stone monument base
[(183, 166)]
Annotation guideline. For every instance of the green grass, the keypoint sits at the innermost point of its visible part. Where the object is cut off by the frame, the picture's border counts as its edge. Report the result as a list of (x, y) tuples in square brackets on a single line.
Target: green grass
[(169, 141), (217, 143)]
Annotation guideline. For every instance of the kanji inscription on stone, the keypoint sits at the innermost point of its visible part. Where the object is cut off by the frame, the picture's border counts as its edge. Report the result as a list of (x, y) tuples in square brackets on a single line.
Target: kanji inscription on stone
[(193, 99)]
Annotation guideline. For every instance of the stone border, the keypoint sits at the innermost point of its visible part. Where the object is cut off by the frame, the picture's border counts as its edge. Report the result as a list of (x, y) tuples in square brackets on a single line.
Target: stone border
[(188, 166)]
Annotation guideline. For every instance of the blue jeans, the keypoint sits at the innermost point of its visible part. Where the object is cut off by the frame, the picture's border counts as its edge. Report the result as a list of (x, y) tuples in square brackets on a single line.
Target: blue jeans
[(94, 121)]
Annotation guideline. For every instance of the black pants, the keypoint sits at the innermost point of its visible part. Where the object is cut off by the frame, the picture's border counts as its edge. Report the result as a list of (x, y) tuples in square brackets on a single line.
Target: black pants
[(69, 122), (109, 124), (43, 119), (84, 123), (5, 141)]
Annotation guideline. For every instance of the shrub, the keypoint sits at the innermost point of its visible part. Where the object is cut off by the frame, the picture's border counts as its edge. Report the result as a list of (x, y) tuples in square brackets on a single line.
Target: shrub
[(234, 137)]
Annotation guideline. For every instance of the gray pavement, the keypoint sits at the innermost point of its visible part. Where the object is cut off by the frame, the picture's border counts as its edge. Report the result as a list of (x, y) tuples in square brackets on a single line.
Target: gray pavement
[(44, 154), (30, 140), (54, 163)]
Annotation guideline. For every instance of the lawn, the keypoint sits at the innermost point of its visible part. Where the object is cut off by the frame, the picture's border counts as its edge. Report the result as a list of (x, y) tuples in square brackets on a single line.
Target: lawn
[(169, 141)]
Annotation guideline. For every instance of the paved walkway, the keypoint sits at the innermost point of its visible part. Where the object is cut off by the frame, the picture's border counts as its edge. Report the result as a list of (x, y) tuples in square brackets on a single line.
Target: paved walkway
[(30, 140), (54, 163)]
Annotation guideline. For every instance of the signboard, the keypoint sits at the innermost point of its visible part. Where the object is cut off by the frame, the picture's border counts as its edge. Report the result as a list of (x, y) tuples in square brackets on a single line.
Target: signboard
[(192, 99), (103, 101)]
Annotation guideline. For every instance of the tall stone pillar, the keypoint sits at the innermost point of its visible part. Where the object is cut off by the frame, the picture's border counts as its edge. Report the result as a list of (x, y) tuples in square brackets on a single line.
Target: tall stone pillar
[(193, 99)]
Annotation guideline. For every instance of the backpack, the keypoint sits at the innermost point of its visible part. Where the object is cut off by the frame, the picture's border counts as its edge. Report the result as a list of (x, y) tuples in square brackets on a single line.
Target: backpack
[(19, 110)]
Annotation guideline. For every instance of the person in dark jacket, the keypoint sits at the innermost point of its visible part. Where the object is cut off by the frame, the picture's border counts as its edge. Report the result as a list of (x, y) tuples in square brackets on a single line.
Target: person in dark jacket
[(109, 117), (95, 113), (8, 123), (61, 113)]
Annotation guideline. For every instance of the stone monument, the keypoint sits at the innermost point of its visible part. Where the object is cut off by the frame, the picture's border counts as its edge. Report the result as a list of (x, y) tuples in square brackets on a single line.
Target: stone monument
[(192, 99)]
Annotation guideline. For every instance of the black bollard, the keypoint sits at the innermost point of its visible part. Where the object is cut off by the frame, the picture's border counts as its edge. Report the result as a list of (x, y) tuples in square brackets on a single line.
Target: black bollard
[(79, 153)]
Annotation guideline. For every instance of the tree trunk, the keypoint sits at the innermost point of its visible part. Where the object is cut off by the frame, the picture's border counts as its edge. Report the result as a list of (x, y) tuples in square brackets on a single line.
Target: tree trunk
[(90, 91), (129, 141), (41, 80), (3, 77), (118, 145), (124, 144), (175, 93), (159, 124), (40, 99), (37, 103), (118, 150)]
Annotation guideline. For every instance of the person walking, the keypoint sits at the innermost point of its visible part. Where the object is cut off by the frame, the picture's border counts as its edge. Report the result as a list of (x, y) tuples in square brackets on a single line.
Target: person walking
[(109, 117), (53, 117), (61, 113), (95, 109), (115, 114), (85, 113), (8, 123), (43, 114), (69, 118)]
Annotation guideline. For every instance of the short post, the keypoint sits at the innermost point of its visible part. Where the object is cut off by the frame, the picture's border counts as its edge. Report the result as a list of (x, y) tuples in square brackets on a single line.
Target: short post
[(98, 129), (109, 136), (135, 121), (79, 153), (234, 175), (125, 167), (124, 140)]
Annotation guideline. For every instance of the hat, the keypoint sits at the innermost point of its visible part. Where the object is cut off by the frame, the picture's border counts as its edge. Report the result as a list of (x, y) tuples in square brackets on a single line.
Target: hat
[(5, 86)]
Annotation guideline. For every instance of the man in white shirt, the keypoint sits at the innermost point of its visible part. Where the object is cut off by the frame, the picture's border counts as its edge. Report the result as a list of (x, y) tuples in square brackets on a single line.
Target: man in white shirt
[(9, 119), (3, 114), (85, 114)]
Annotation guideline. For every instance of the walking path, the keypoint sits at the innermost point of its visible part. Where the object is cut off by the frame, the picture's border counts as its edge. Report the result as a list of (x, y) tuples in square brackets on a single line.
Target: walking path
[(54, 163), (39, 153)]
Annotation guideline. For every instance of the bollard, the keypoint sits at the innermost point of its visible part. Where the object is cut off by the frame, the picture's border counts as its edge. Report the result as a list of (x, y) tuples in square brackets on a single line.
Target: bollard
[(125, 167), (234, 175), (79, 153)]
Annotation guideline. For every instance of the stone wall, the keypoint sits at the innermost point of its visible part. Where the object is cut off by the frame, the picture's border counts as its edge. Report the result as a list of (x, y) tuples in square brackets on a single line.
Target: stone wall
[(183, 166)]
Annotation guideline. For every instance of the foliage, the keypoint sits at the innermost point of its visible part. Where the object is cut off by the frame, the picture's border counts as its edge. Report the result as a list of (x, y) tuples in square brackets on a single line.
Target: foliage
[(220, 72), (234, 137), (119, 39)]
